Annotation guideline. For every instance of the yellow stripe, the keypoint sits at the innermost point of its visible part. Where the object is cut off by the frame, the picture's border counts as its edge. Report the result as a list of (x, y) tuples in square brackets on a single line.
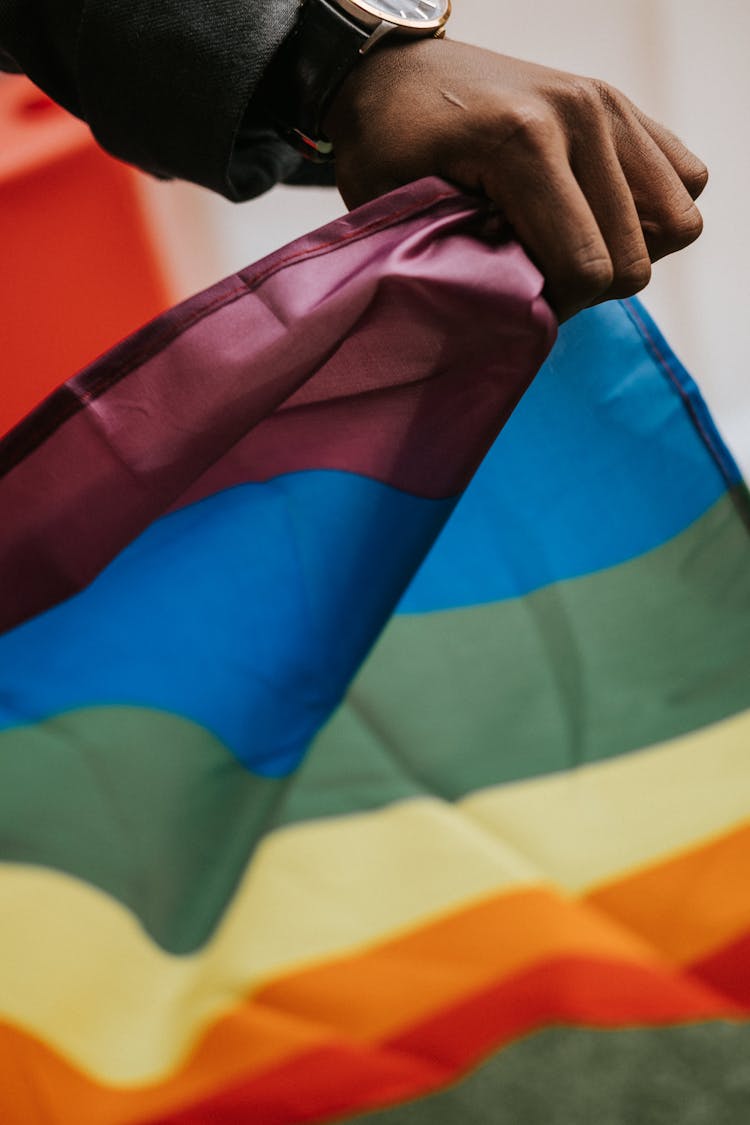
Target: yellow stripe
[(79, 972), (600, 822)]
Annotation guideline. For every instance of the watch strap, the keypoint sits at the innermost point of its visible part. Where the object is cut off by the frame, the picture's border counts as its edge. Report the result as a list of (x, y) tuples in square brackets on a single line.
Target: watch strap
[(308, 70)]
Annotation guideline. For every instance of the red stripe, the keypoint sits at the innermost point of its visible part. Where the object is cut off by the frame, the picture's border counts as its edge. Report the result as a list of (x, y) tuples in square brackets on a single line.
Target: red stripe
[(576, 991), (348, 1078), (728, 970)]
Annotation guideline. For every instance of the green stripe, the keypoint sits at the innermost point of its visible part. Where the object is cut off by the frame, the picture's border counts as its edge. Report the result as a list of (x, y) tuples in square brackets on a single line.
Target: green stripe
[(149, 807), (579, 672), (155, 811), (696, 1075)]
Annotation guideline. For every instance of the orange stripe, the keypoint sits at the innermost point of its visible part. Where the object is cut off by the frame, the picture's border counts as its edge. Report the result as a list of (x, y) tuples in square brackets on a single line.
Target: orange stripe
[(37, 1082), (374, 994), (689, 905), (336, 1075), (405, 980), (400, 983), (348, 1078)]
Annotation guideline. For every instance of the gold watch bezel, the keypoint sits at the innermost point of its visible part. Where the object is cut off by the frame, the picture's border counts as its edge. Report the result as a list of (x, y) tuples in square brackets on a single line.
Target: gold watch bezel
[(369, 16)]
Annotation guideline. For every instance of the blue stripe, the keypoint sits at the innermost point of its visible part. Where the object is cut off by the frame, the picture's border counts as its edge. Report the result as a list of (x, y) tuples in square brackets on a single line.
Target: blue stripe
[(601, 462), (248, 613)]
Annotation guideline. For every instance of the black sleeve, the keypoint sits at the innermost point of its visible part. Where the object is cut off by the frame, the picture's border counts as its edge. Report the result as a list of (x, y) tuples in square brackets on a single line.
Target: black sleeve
[(164, 84)]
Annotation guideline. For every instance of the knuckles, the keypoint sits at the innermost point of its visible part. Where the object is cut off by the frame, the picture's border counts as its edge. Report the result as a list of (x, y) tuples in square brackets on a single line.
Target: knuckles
[(589, 278), (676, 231), (584, 100), (689, 227), (696, 179), (631, 278), (528, 123)]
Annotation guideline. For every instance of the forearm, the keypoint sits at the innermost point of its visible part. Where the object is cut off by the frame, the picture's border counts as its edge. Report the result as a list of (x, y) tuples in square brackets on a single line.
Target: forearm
[(167, 86)]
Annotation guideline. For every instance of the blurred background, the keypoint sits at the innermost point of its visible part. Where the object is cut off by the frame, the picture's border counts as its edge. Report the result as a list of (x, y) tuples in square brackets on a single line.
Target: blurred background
[(129, 245)]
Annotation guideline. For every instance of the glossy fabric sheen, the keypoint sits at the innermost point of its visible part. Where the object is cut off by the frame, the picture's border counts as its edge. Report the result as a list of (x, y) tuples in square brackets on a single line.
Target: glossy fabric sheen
[(273, 852), (289, 355)]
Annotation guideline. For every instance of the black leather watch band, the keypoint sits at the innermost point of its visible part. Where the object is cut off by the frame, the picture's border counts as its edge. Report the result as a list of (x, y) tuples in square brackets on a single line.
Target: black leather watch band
[(307, 71)]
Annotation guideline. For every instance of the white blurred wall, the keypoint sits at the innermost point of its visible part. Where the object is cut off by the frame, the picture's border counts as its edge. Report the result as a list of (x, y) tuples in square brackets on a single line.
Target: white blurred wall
[(686, 63)]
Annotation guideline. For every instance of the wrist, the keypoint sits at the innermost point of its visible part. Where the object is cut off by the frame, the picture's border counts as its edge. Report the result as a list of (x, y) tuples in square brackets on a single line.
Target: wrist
[(375, 90), (332, 41)]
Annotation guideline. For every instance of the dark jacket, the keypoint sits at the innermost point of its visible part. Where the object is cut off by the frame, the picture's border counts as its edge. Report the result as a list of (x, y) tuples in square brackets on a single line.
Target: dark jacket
[(164, 84)]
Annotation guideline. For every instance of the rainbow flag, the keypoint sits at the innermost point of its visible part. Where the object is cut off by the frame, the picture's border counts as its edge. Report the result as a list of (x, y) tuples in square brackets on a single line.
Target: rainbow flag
[(356, 761)]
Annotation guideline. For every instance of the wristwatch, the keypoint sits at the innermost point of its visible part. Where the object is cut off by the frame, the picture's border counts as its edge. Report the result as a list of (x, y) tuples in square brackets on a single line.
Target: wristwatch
[(327, 41)]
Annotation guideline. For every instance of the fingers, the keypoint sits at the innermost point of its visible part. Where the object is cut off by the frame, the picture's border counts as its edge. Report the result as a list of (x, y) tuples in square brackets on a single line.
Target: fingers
[(668, 215), (691, 170), (597, 199), (535, 187), (628, 163), (610, 197), (594, 189)]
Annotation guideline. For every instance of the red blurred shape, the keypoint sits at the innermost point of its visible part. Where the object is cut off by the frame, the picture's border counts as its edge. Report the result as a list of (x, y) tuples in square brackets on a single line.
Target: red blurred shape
[(79, 267)]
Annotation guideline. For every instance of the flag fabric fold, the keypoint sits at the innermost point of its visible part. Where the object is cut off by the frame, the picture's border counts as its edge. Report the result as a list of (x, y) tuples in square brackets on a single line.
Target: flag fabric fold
[(356, 761)]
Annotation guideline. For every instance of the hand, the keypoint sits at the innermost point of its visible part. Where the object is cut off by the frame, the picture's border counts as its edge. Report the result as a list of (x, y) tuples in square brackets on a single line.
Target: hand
[(594, 189)]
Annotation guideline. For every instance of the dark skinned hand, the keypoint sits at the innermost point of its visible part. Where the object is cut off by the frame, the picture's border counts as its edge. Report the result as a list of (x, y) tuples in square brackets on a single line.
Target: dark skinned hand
[(594, 190)]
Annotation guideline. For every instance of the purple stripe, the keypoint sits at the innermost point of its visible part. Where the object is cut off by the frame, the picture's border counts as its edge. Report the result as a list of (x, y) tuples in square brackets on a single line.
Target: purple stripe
[(391, 343)]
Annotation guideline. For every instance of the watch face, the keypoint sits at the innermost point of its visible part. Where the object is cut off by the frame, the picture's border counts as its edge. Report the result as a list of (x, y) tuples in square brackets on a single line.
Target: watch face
[(412, 15)]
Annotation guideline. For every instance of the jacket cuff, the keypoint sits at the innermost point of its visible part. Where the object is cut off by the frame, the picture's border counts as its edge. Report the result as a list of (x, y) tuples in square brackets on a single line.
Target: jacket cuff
[(167, 87)]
